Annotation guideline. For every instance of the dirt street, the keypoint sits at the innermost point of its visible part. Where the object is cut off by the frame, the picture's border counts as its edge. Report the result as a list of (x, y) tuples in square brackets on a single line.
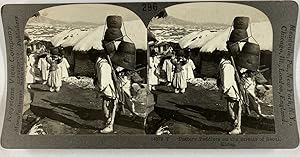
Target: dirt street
[(74, 110)]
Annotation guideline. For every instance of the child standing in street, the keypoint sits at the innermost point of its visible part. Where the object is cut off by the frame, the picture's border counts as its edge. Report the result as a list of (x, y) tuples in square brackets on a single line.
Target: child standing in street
[(168, 67), (179, 80), (153, 71), (54, 80), (44, 66)]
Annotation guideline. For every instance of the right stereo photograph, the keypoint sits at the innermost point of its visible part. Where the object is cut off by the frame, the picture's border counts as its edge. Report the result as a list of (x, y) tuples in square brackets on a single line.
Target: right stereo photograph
[(209, 70)]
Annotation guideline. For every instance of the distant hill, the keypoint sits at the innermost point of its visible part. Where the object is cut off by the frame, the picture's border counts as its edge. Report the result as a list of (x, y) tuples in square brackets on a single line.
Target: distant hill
[(169, 20), (46, 20)]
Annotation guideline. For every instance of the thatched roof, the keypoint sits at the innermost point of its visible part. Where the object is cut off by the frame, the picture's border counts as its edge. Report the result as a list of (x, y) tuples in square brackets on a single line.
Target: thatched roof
[(68, 37), (262, 32), (196, 39), (74, 37), (135, 30), (59, 38)]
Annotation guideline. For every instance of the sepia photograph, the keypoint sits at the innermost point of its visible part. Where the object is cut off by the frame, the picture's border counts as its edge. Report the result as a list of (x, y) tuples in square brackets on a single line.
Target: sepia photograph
[(210, 70), (196, 68), (158, 75), (86, 71)]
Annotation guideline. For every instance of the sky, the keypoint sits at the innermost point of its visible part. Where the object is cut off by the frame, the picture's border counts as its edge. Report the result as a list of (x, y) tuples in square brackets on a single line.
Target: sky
[(95, 13), (215, 12), (203, 12)]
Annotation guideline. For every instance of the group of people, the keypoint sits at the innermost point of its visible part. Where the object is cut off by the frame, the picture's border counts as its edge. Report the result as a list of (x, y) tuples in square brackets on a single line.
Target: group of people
[(177, 66), (114, 80), (47, 67)]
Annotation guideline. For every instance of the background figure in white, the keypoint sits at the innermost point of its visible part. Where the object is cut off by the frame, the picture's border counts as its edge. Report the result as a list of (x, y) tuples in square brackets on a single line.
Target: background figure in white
[(105, 85), (228, 87), (44, 66), (27, 96), (179, 80), (169, 50), (42, 49), (189, 68), (168, 67), (153, 71), (64, 65), (30, 73), (54, 80)]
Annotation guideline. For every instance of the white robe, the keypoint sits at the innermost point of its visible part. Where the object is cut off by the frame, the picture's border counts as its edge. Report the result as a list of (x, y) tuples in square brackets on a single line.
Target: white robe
[(228, 82), (30, 73), (189, 68), (44, 66), (179, 80), (105, 82), (168, 67), (248, 82), (126, 85), (153, 71), (64, 65), (55, 78)]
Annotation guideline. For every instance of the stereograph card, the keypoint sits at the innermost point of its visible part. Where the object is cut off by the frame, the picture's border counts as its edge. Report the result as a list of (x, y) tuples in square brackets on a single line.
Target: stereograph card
[(150, 75)]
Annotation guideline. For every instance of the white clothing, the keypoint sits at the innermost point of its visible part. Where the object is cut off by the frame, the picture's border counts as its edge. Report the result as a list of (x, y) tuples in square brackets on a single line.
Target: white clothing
[(189, 68), (168, 67), (153, 70), (169, 50), (64, 65), (44, 66), (249, 83), (30, 74), (126, 84), (55, 78), (179, 80), (228, 82), (105, 82)]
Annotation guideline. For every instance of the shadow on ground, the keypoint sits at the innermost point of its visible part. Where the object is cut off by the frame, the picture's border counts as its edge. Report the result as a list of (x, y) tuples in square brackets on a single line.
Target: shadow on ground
[(204, 110)]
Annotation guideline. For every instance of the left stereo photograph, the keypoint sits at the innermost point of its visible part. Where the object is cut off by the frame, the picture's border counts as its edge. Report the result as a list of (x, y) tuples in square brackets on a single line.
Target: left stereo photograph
[(70, 51)]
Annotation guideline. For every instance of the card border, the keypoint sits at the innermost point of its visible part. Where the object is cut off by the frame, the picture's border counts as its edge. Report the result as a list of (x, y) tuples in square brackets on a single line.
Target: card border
[(286, 135)]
